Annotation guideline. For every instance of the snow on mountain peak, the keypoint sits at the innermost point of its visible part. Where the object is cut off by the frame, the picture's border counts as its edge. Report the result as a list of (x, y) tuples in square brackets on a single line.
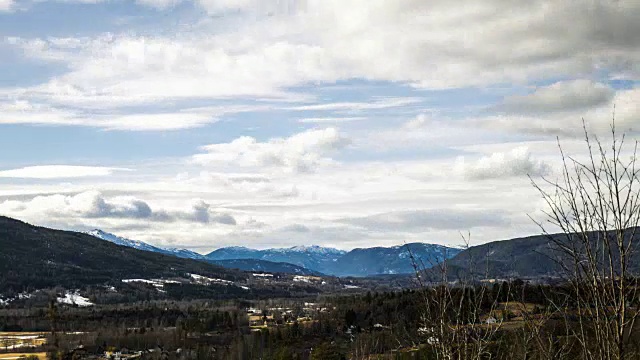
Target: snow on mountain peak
[(141, 245), (314, 249)]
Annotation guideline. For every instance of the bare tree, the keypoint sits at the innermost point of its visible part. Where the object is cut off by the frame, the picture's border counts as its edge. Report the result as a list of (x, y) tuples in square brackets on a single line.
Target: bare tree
[(596, 205), (455, 313)]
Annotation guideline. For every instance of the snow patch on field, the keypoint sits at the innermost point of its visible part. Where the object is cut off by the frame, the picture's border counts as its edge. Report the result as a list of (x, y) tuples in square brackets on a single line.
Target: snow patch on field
[(20, 296), (75, 299), (263, 275), (199, 279), (157, 283), (351, 287)]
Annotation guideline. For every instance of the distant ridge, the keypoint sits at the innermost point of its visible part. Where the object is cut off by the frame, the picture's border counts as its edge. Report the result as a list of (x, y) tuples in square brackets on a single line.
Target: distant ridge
[(247, 264), (357, 262), (307, 259)]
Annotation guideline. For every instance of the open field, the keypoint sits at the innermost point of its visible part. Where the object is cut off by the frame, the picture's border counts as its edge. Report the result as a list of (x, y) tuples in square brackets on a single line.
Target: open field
[(12, 356), (20, 340)]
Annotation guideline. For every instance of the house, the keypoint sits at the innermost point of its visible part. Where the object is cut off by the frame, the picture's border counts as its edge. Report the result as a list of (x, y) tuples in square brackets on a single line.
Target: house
[(260, 320)]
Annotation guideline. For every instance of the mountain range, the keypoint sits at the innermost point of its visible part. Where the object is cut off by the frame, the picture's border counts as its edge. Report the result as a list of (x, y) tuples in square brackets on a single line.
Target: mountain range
[(244, 264), (35, 257), (308, 260), (357, 262)]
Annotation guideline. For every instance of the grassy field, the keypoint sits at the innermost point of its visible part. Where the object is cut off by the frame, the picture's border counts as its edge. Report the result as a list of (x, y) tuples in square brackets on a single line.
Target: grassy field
[(13, 356), (17, 341), (7, 334)]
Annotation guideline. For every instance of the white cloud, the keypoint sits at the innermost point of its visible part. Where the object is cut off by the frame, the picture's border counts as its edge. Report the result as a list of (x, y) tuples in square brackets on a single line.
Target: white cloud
[(419, 122), (159, 4), (23, 112), (93, 205), (215, 6), (381, 103), (302, 152), (6, 5), (515, 163), (323, 120), (58, 171), (424, 131), (577, 95)]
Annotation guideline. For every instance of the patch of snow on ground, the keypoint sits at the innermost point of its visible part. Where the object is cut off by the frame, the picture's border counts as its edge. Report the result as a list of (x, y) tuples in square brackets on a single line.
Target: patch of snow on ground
[(157, 283), (24, 296), (351, 287), (207, 280), (20, 296), (75, 299), (263, 275)]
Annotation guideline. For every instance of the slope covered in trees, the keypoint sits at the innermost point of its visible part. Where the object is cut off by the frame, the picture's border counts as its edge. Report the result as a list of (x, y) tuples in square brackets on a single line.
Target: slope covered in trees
[(35, 257)]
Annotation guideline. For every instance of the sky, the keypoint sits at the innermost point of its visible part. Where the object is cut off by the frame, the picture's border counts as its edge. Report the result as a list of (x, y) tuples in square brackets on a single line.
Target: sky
[(272, 123)]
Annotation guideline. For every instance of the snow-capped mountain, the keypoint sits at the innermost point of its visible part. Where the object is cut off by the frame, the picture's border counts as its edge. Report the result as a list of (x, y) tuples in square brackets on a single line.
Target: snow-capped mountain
[(315, 249), (357, 262), (248, 263), (141, 245), (326, 260), (184, 253), (310, 257)]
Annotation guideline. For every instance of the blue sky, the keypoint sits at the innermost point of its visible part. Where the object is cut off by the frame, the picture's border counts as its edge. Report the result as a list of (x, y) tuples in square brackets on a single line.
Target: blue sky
[(336, 123)]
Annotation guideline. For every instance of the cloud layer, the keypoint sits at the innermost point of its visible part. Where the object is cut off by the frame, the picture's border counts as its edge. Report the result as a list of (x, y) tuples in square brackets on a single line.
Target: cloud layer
[(271, 123), (58, 171)]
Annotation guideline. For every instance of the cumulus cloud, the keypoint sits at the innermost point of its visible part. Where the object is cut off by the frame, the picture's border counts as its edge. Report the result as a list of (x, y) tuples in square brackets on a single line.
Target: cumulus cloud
[(302, 152), (58, 171), (93, 205), (202, 214), (580, 95), (500, 165)]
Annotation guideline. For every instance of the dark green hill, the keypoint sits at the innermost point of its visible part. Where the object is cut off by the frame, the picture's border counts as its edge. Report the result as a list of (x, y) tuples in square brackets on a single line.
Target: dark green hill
[(34, 257), (390, 260), (527, 257)]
